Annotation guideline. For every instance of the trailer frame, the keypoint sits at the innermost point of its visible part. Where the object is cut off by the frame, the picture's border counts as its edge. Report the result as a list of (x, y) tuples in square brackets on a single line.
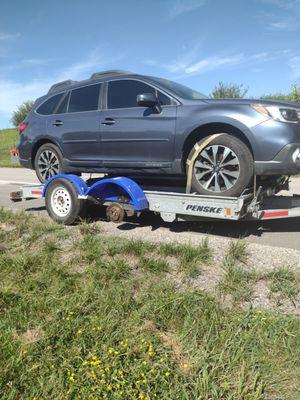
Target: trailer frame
[(124, 197)]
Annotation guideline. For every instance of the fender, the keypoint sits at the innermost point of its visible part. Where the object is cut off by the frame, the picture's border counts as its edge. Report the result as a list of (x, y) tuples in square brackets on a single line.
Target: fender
[(107, 189), (111, 189), (77, 181)]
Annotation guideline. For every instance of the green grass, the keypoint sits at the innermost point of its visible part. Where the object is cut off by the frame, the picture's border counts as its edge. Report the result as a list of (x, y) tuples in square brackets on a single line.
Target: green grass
[(285, 284), (85, 316), (237, 280), (8, 138)]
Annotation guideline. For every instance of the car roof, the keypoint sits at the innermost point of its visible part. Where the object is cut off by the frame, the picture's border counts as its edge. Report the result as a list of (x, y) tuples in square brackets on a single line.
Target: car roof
[(95, 77)]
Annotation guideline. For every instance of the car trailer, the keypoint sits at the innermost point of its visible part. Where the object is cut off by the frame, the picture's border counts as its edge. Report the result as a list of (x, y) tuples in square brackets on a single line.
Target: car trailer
[(67, 197)]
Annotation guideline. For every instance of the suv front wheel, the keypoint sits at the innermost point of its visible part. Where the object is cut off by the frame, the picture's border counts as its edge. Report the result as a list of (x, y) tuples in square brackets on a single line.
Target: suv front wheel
[(48, 162), (223, 168)]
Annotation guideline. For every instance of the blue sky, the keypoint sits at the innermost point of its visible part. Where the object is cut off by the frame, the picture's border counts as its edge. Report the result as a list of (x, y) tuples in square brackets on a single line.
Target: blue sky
[(196, 42)]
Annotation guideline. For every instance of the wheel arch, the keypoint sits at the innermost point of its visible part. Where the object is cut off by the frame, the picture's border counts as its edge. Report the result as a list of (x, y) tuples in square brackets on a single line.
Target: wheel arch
[(205, 130), (40, 142)]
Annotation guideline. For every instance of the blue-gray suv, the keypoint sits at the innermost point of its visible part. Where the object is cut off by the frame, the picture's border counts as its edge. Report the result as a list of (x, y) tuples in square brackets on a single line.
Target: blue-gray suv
[(117, 122)]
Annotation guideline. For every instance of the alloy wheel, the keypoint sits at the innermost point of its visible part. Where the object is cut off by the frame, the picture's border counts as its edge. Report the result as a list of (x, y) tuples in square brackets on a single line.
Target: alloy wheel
[(217, 168), (48, 164)]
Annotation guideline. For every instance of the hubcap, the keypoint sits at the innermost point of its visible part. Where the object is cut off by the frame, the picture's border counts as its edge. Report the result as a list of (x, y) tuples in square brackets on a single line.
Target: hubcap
[(217, 168), (61, 201), (48, 164)]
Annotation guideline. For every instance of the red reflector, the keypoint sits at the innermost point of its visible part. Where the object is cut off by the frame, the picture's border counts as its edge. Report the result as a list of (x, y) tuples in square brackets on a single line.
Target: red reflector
[(36, 192), (275, 214), (22, 126)]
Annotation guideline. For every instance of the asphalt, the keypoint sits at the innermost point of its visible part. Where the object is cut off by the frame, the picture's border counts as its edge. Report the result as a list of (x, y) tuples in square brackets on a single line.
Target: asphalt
[(283, 233)]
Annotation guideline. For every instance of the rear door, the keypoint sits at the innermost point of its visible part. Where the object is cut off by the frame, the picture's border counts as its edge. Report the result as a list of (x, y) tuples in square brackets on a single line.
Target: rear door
[(133, 136), (76, 125)]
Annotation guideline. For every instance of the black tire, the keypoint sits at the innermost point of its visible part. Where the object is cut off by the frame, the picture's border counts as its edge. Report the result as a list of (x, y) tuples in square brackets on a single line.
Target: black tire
[(75, 208), (223, 183), (42, 171)]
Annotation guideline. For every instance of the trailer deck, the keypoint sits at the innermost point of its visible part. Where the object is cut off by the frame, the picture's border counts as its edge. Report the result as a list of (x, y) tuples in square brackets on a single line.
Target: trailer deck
[(125, 197)]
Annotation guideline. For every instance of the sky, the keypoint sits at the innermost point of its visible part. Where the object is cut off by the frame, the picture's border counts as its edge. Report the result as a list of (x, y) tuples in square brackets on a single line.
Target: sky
[(195, 42)]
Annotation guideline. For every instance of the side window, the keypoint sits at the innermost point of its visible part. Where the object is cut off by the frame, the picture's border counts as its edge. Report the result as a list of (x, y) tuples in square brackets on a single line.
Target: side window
[(163, 99), (62, 108), (122, 94), (84, 99), (49, 106)]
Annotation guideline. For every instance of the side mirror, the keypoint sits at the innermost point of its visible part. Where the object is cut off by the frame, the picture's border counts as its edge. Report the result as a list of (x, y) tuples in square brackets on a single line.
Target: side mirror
[(147, 100)]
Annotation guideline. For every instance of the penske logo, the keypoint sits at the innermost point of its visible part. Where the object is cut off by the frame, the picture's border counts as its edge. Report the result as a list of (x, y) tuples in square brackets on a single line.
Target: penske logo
[(204, 209)]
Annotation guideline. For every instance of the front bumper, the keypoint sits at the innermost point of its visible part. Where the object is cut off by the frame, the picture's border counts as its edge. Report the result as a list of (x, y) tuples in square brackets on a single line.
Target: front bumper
[(286, 162)]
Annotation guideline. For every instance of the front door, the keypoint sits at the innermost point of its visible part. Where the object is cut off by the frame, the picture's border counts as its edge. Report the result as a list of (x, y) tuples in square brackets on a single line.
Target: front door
[(132, 136)]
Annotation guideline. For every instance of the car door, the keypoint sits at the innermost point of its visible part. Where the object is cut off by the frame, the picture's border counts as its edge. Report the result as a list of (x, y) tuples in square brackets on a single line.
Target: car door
[(76, 124), (133, 136)]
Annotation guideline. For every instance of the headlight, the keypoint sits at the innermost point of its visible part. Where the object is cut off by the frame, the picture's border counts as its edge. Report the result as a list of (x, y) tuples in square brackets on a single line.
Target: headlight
[(284, 114)]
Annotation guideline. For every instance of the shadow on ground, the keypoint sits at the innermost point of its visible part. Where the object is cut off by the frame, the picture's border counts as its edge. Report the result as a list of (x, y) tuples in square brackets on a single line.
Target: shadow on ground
[(231, 229)]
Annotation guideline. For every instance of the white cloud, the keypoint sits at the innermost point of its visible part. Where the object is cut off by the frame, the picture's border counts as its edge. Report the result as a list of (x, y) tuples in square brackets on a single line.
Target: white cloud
[(190, 63), (31, 62), (284, 4), (294, 64), (183, 6), (8, 36), (283, 25), (215, 62), (13, 93)]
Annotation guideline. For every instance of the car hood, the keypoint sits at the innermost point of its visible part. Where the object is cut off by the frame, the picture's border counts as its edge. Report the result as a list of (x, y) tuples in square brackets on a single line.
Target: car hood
[(250, 101)]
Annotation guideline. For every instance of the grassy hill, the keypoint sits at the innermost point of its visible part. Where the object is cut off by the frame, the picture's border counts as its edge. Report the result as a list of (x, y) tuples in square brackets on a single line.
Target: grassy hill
[(8, 137)]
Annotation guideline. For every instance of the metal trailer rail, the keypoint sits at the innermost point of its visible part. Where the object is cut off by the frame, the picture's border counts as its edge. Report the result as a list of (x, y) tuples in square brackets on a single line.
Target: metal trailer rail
[(66, 194)]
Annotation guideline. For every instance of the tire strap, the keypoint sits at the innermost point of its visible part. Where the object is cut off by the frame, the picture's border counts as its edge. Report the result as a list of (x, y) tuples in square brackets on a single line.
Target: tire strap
[(190, 162)]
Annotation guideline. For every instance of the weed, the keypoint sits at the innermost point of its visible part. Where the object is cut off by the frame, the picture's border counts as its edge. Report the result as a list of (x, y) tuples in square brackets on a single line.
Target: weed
[(87, 227), (286, 283), (154, 265), (237, 282), (188, 255), (237, 251)]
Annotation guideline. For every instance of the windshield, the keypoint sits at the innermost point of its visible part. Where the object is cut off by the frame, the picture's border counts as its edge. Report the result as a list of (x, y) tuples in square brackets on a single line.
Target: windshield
[(178, 89)]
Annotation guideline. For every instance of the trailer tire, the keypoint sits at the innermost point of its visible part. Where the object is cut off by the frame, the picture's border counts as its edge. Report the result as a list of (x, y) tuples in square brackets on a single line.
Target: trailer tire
[(62, 202)]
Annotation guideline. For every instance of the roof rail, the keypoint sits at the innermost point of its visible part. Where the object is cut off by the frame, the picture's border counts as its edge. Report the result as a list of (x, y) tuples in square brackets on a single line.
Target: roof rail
[(61, 85), (98, 75)]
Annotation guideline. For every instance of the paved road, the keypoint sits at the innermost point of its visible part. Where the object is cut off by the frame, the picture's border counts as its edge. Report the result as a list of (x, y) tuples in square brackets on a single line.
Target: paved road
[(281, 233)]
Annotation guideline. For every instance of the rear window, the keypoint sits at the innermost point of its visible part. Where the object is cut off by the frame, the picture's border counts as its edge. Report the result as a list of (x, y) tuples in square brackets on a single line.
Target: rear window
[(50, 105), (62, 108), (84, 99)]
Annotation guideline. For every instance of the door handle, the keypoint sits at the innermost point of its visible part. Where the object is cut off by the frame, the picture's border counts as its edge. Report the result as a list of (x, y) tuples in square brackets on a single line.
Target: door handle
[(57, 123), (108, 121)]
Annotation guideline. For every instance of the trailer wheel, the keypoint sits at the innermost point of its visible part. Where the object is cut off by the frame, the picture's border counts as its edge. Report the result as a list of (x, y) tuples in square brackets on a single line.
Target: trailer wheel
[(115, 213), (62, 202)]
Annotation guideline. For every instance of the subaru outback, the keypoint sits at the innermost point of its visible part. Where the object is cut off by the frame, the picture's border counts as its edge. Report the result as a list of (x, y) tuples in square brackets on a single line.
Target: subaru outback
[(117, 122)]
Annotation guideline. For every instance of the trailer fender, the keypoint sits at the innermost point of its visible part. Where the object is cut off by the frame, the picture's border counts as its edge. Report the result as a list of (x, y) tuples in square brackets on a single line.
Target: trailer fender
[(115, 189), (77, 181)]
